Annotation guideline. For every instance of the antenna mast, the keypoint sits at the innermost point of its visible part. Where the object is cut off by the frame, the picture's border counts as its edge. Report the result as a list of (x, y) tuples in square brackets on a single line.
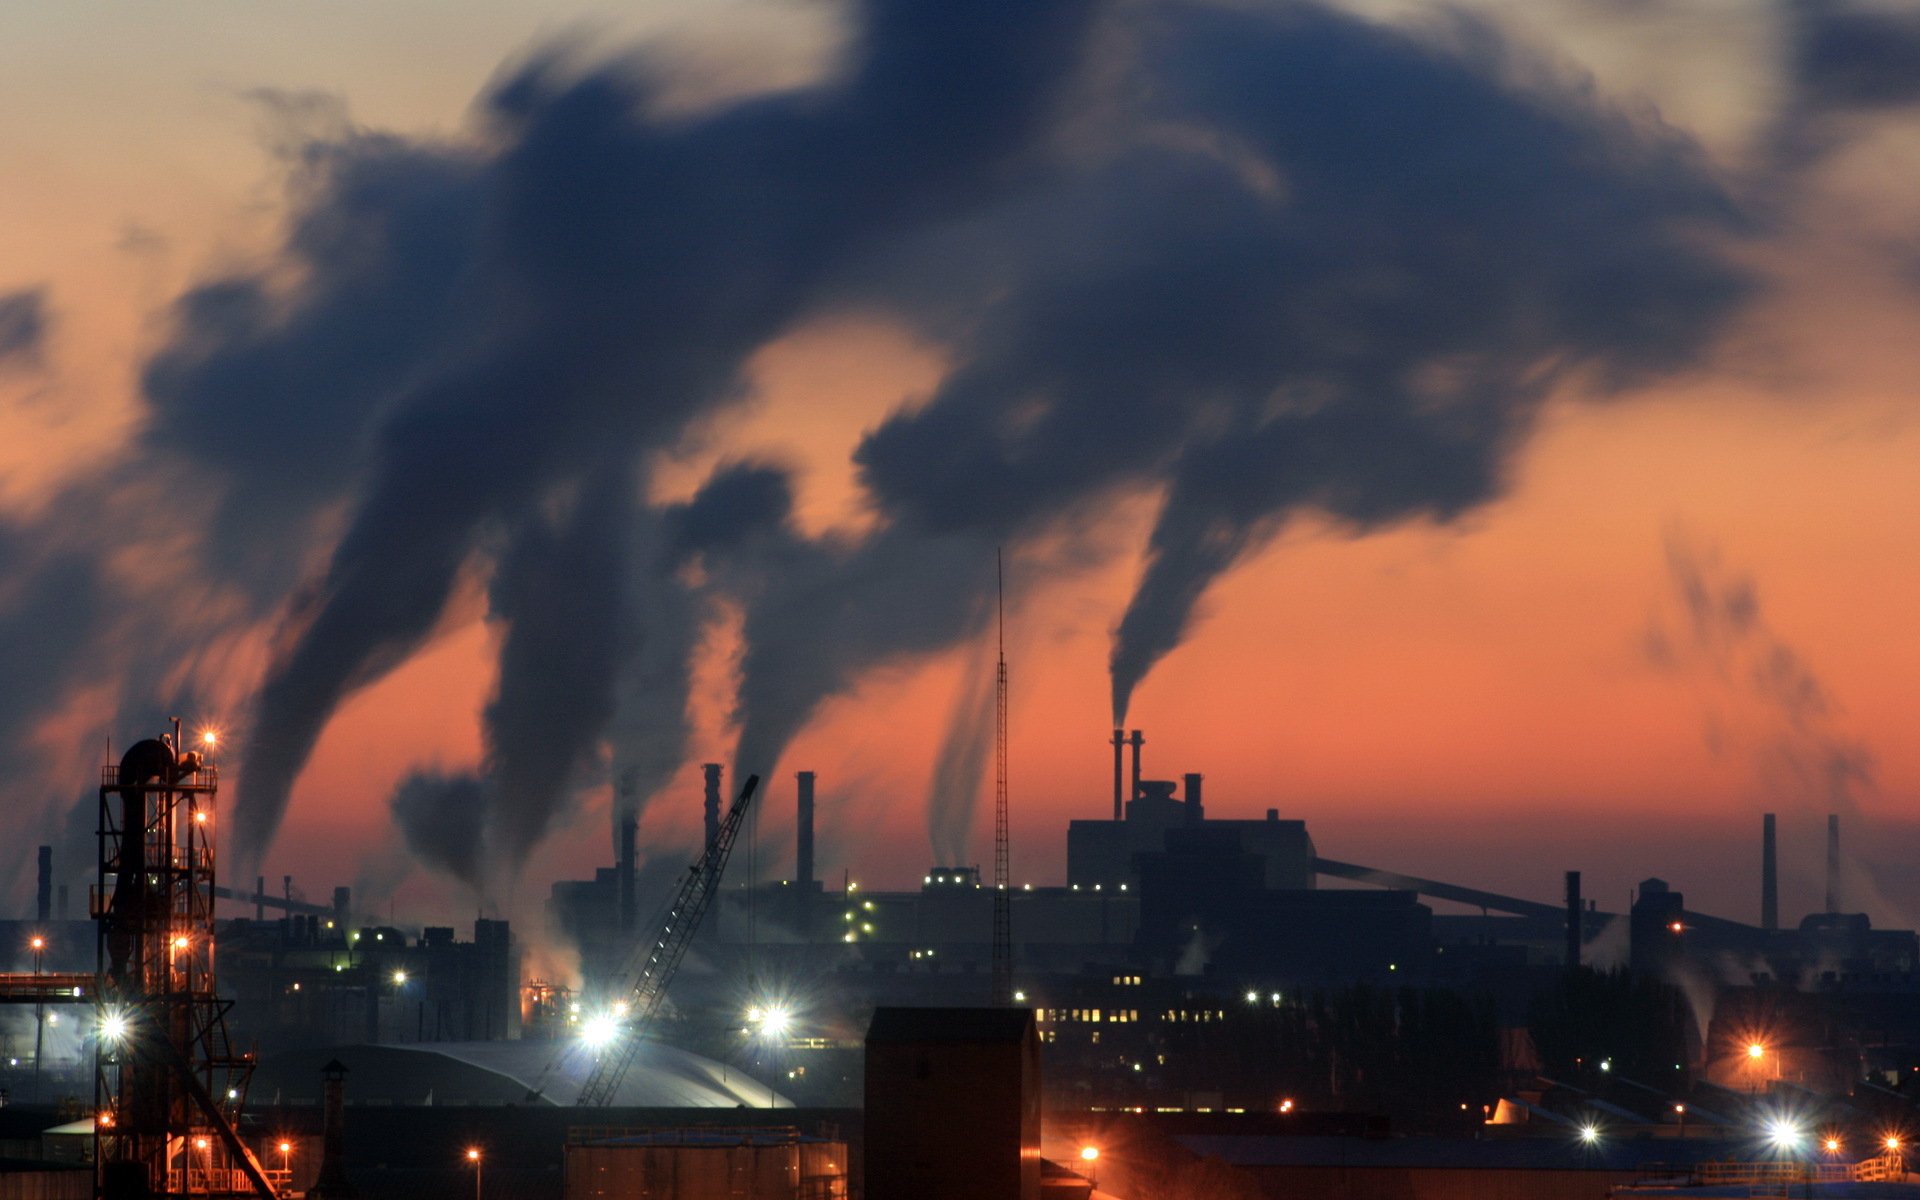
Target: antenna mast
[(1002, 872)]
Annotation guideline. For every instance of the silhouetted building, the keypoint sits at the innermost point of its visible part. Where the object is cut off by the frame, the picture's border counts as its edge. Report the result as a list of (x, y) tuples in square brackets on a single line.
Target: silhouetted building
[(953, 1104)]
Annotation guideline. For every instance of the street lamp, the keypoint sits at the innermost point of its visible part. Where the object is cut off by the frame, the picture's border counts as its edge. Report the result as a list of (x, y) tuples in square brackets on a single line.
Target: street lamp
[(1090, 1155), (473, 1156)]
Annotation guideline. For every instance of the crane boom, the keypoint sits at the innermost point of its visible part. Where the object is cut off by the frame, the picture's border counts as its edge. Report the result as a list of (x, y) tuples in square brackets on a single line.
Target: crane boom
[(650, 967)]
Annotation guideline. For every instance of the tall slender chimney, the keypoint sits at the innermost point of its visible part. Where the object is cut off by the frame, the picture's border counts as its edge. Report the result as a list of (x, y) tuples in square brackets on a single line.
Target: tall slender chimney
[(1119, 774), (332, 1181), (1769, 876), (1195, 813), (803, 833), (629, 834), (46, 885), (712, 772), (1136, 741), (1833, 862), (1573, 919)]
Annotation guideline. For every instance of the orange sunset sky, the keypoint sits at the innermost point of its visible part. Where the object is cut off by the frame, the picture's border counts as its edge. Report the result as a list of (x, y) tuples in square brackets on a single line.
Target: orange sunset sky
[(1490, 699)]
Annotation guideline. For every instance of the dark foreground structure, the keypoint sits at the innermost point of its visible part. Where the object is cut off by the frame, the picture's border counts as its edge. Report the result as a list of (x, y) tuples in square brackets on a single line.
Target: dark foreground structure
[(953, 1104)]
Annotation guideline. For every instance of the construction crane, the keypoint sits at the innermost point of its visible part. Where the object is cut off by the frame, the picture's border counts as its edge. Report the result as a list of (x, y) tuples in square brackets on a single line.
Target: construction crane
[(643, 981)]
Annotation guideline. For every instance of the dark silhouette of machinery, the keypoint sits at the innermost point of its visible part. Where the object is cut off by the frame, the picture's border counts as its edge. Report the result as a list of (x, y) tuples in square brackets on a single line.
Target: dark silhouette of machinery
[(168, 1086)]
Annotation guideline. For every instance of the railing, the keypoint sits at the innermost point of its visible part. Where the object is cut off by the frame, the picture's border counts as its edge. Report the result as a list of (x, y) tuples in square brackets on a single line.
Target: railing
[(1773, 1176), (46, 987)]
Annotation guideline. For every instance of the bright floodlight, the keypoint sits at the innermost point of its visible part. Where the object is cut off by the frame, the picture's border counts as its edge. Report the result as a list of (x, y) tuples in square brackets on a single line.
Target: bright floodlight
[(473, 1154), (774, 1021), (1782, 1133), (1756, 1050), (1832, 1144), (400, 977), (1589, 1134), (1253, 997), (1089, 1153), (210, 738), (600, 1031), (1892, 1142), (113, 1027)]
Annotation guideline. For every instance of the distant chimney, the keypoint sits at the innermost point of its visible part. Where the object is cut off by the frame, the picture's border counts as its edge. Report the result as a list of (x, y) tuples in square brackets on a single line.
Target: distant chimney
[(1769, 876), (332, 1182), (1195, 813), (1119, 774), (803, 833), (1573, 919), (1136, 741), (629, 832), (1833, 862), (259, 897), (46, 884), (712, 772)]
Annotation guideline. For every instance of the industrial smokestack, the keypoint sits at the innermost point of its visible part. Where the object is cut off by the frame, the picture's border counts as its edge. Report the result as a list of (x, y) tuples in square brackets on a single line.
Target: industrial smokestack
[(1119, 774), (1833, 862), (1136, 741), (1195, 813), (46, 886), (1769, 876), (629, 832), (332, 1181), (1573, 919), (803, 833), (712, 772)]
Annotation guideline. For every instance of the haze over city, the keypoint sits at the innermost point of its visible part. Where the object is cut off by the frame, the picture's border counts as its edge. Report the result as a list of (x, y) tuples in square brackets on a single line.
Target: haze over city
[(1485, 432)]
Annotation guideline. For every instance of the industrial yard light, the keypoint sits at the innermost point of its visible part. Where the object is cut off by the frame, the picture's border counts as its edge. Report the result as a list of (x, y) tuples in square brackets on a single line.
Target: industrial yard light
[(473, 1156), (1831, 1145), (286, 1165), (1783, 1133), (1892, 1141), (1090, 1155), (1589, 1134), (113, 1027), (399, 979)]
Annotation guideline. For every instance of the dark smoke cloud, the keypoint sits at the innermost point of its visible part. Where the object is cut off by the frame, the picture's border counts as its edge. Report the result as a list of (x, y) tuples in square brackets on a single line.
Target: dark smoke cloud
[(1852, 57), (23, 327), (442, 818), (1332, 268), (624, 270), (961, 762)]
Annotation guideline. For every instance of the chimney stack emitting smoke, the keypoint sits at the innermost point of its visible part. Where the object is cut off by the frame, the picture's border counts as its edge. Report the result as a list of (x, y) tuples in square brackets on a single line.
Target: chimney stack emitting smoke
[(1136, 741), (45, 907), (1573, 919), (629, 834), (712, 772), (1769, 876), (803, 833), (1833, 862)]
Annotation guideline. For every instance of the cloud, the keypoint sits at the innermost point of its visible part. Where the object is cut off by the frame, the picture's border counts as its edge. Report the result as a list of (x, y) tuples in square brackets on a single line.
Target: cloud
[(24, 324)]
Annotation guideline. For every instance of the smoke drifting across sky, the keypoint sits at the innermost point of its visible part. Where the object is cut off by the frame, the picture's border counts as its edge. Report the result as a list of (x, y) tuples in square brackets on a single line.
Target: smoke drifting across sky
[(1257, 264)]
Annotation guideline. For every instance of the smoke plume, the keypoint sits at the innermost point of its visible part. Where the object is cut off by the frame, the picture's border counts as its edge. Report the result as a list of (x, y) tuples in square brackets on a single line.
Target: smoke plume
[(23, 327)]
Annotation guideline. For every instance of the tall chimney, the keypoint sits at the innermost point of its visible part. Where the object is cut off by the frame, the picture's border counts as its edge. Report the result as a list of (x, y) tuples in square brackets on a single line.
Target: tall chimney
[(46, 884), (712, 772), (1119, 774), (1769, 876), (1195, 813), (629, 832), (1833, 862), (332, 1181), (803, 833), (1573, 919), (1136, 741)]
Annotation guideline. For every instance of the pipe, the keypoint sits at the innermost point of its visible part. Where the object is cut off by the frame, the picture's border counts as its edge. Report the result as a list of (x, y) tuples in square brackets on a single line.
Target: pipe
[(1119, 774), (1769, 876), (1573, 919), (712, 772), (1136, 741), (1833, 862), (803, 833)]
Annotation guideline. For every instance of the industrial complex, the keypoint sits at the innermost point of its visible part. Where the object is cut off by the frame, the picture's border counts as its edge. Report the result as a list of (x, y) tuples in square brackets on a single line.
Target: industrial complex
[(1189, 1012)]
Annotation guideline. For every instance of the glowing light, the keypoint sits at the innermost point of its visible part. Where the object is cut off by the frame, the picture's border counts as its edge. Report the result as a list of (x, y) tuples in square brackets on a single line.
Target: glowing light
[(1589, 1134), (1019, 997), (1832, 1144), (473, 1154), (1286, 1106), (286, 1147), (1892, 1142), (200, 1143), (1783, 1133), (1756, 1050), (1677, 927), (210, 738), (38, 943), (1089, 1153), (600, 1031), (399, 977), (180, 942), (200, 816), (1253, 997), (105, 1120)]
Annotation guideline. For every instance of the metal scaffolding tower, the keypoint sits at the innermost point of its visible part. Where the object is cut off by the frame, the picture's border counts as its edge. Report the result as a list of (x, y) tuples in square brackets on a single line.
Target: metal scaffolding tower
[(168, 1086)]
